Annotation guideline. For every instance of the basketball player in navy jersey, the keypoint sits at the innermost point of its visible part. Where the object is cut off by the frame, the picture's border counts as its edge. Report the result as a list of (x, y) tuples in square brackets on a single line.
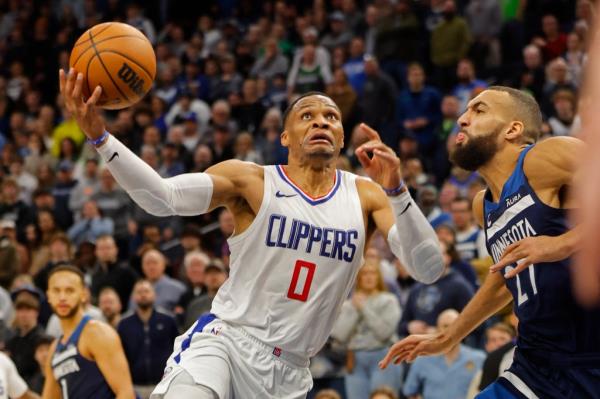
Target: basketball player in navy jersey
[(87, 361), (523, 213), (301, 230)]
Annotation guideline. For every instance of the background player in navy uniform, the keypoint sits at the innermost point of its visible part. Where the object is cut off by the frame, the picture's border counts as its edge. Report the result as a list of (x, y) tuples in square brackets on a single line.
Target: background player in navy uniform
[(87, 361), (524, 215)]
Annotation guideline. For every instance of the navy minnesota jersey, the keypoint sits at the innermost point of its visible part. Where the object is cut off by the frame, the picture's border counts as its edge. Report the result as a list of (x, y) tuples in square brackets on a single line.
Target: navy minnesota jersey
[(552, 326), (77, 376)]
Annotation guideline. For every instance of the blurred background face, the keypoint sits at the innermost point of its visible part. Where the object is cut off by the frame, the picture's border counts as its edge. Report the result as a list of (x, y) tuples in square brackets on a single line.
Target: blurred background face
[(65, 294), (368, 278), (25, 317), (461, 214), (495, 339), (109, 303), (106, 250), (226, 223), (153, 265), (416, 76), (214, 278), (195, 270), (143, 295)]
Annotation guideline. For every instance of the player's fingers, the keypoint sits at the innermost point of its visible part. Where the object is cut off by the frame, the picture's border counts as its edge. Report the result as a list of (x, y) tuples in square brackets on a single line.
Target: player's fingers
[(70, 83), (373, 145), (511, 248), (502, 263), (386, 155), (61, 80), (371, 133), (78, 86), (363, 158), (522, 265), (94, 97)]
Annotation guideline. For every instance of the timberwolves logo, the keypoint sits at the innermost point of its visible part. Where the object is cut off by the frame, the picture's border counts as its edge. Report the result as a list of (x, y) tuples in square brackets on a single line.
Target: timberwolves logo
[(131, 79)]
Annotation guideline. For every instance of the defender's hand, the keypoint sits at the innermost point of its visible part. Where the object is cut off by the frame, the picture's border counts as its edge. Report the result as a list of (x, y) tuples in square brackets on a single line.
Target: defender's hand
[(416, 345), (384, 166), (529, 251), (85, 113)]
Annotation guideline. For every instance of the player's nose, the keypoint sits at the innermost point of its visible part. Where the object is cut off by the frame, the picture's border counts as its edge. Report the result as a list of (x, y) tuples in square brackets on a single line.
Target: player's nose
[(320, 122), (463, 120)]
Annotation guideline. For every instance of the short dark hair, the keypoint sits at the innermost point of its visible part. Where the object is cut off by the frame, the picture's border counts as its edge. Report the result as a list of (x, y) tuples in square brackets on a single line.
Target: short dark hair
[(68, 268), (293, 103), (525, 109)]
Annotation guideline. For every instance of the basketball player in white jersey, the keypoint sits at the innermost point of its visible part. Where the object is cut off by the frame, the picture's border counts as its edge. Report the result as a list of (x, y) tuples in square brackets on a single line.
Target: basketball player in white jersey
[(12, 385), (300, 233)]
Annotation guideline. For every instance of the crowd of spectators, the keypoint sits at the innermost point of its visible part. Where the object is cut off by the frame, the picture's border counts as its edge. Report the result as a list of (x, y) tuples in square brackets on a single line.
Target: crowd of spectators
[(226, 70)]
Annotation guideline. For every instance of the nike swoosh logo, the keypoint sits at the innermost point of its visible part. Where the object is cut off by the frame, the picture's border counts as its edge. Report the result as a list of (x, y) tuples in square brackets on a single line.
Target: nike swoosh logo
[(406, 209), (113, 156), (279, 194)]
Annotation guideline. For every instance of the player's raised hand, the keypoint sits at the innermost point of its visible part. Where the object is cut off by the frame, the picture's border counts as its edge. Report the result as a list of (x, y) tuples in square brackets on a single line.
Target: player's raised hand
[(529, 251), (383, 166), (408, 349), (84, 112)]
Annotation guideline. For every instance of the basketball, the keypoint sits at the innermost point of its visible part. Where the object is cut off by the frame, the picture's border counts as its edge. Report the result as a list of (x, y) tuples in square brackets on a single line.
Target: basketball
[(118, 58)]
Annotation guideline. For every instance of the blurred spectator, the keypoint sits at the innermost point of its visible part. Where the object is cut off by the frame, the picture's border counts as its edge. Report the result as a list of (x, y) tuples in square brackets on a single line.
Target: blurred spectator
[(86, 187), (484, 18), (167, 290), (427, 199), (229, 81), (308, 74), (418, 109), (12, 252), (41, 349), (553, 42), (214, 277), (327, 394), (66, 137), (62, 194), (109, 272), (532, 76), (59, 252), (557, 78), (372, 16), (468, 84), (339, 35), (250, 112), (378, 102), (187, 108), (194, 263), (110, 306), (136, 18), (11, 207), (450, 42), (565, 120), (367, 334), (171, 164), (244, 149), (26, 181), (116, 205), (271, 63), (147, 336), (343, 95), (444, 376), (426, 302), (26, 331), (470, 238), (354, 67), (575, 57), (383, 393), (37, 155), (91, 226)]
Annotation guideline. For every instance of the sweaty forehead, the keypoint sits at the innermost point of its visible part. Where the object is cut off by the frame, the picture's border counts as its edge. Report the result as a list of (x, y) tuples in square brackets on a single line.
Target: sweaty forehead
[(316, 100)]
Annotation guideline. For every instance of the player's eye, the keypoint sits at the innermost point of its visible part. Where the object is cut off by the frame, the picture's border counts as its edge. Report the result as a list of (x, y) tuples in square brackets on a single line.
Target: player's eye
[(305, 116), (332, 117), (479, 111)]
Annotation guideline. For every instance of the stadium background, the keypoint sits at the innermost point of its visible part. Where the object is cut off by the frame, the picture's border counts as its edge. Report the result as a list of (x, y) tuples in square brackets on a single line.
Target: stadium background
[(225, 72)]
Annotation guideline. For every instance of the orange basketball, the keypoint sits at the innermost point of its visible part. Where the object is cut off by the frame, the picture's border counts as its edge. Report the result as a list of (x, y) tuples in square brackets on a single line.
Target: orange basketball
[(117, 57)]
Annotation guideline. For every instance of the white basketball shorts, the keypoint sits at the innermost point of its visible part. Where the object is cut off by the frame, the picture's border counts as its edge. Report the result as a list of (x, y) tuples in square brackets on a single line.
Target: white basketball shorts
[(234, 364)]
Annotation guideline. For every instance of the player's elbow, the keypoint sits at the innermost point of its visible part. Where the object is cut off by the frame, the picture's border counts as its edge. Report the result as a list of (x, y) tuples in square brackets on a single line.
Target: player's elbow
[(427, 262), (155, 205)]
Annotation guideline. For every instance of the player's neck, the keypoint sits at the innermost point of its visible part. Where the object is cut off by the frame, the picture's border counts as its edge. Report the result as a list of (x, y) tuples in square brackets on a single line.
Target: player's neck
[(69, 325), (497, 171), (313, 180)]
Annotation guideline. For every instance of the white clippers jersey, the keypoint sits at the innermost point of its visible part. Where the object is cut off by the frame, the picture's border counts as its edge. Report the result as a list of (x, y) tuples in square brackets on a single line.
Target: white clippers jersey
[(292, 269), (11, 383)]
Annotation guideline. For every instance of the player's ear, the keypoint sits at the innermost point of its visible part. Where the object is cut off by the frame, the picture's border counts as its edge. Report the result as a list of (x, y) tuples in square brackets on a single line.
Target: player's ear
[(515, 131), (285, 140)]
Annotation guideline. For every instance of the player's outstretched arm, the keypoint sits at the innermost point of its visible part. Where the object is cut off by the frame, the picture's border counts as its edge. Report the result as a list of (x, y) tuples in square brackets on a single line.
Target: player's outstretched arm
[(107, 352), (51, 388), (410, 236), (489, 299), (187, 195)]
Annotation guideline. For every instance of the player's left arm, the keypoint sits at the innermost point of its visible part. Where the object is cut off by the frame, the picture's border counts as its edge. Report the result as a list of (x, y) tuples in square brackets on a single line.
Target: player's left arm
[(410, 236), (551, 170), (106, 349)]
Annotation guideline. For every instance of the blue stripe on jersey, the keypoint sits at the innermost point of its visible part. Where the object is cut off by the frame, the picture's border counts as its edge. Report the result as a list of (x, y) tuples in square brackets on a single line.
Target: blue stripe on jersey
[(200, 324), (306, 197)]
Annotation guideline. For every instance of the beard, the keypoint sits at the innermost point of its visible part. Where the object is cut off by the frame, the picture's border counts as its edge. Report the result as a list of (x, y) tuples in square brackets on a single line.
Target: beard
[(476, 152), (70, 314), (145, 305)]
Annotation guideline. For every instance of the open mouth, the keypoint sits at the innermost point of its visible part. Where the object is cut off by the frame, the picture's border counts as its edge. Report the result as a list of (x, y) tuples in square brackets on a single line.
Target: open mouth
[(319, 137)]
